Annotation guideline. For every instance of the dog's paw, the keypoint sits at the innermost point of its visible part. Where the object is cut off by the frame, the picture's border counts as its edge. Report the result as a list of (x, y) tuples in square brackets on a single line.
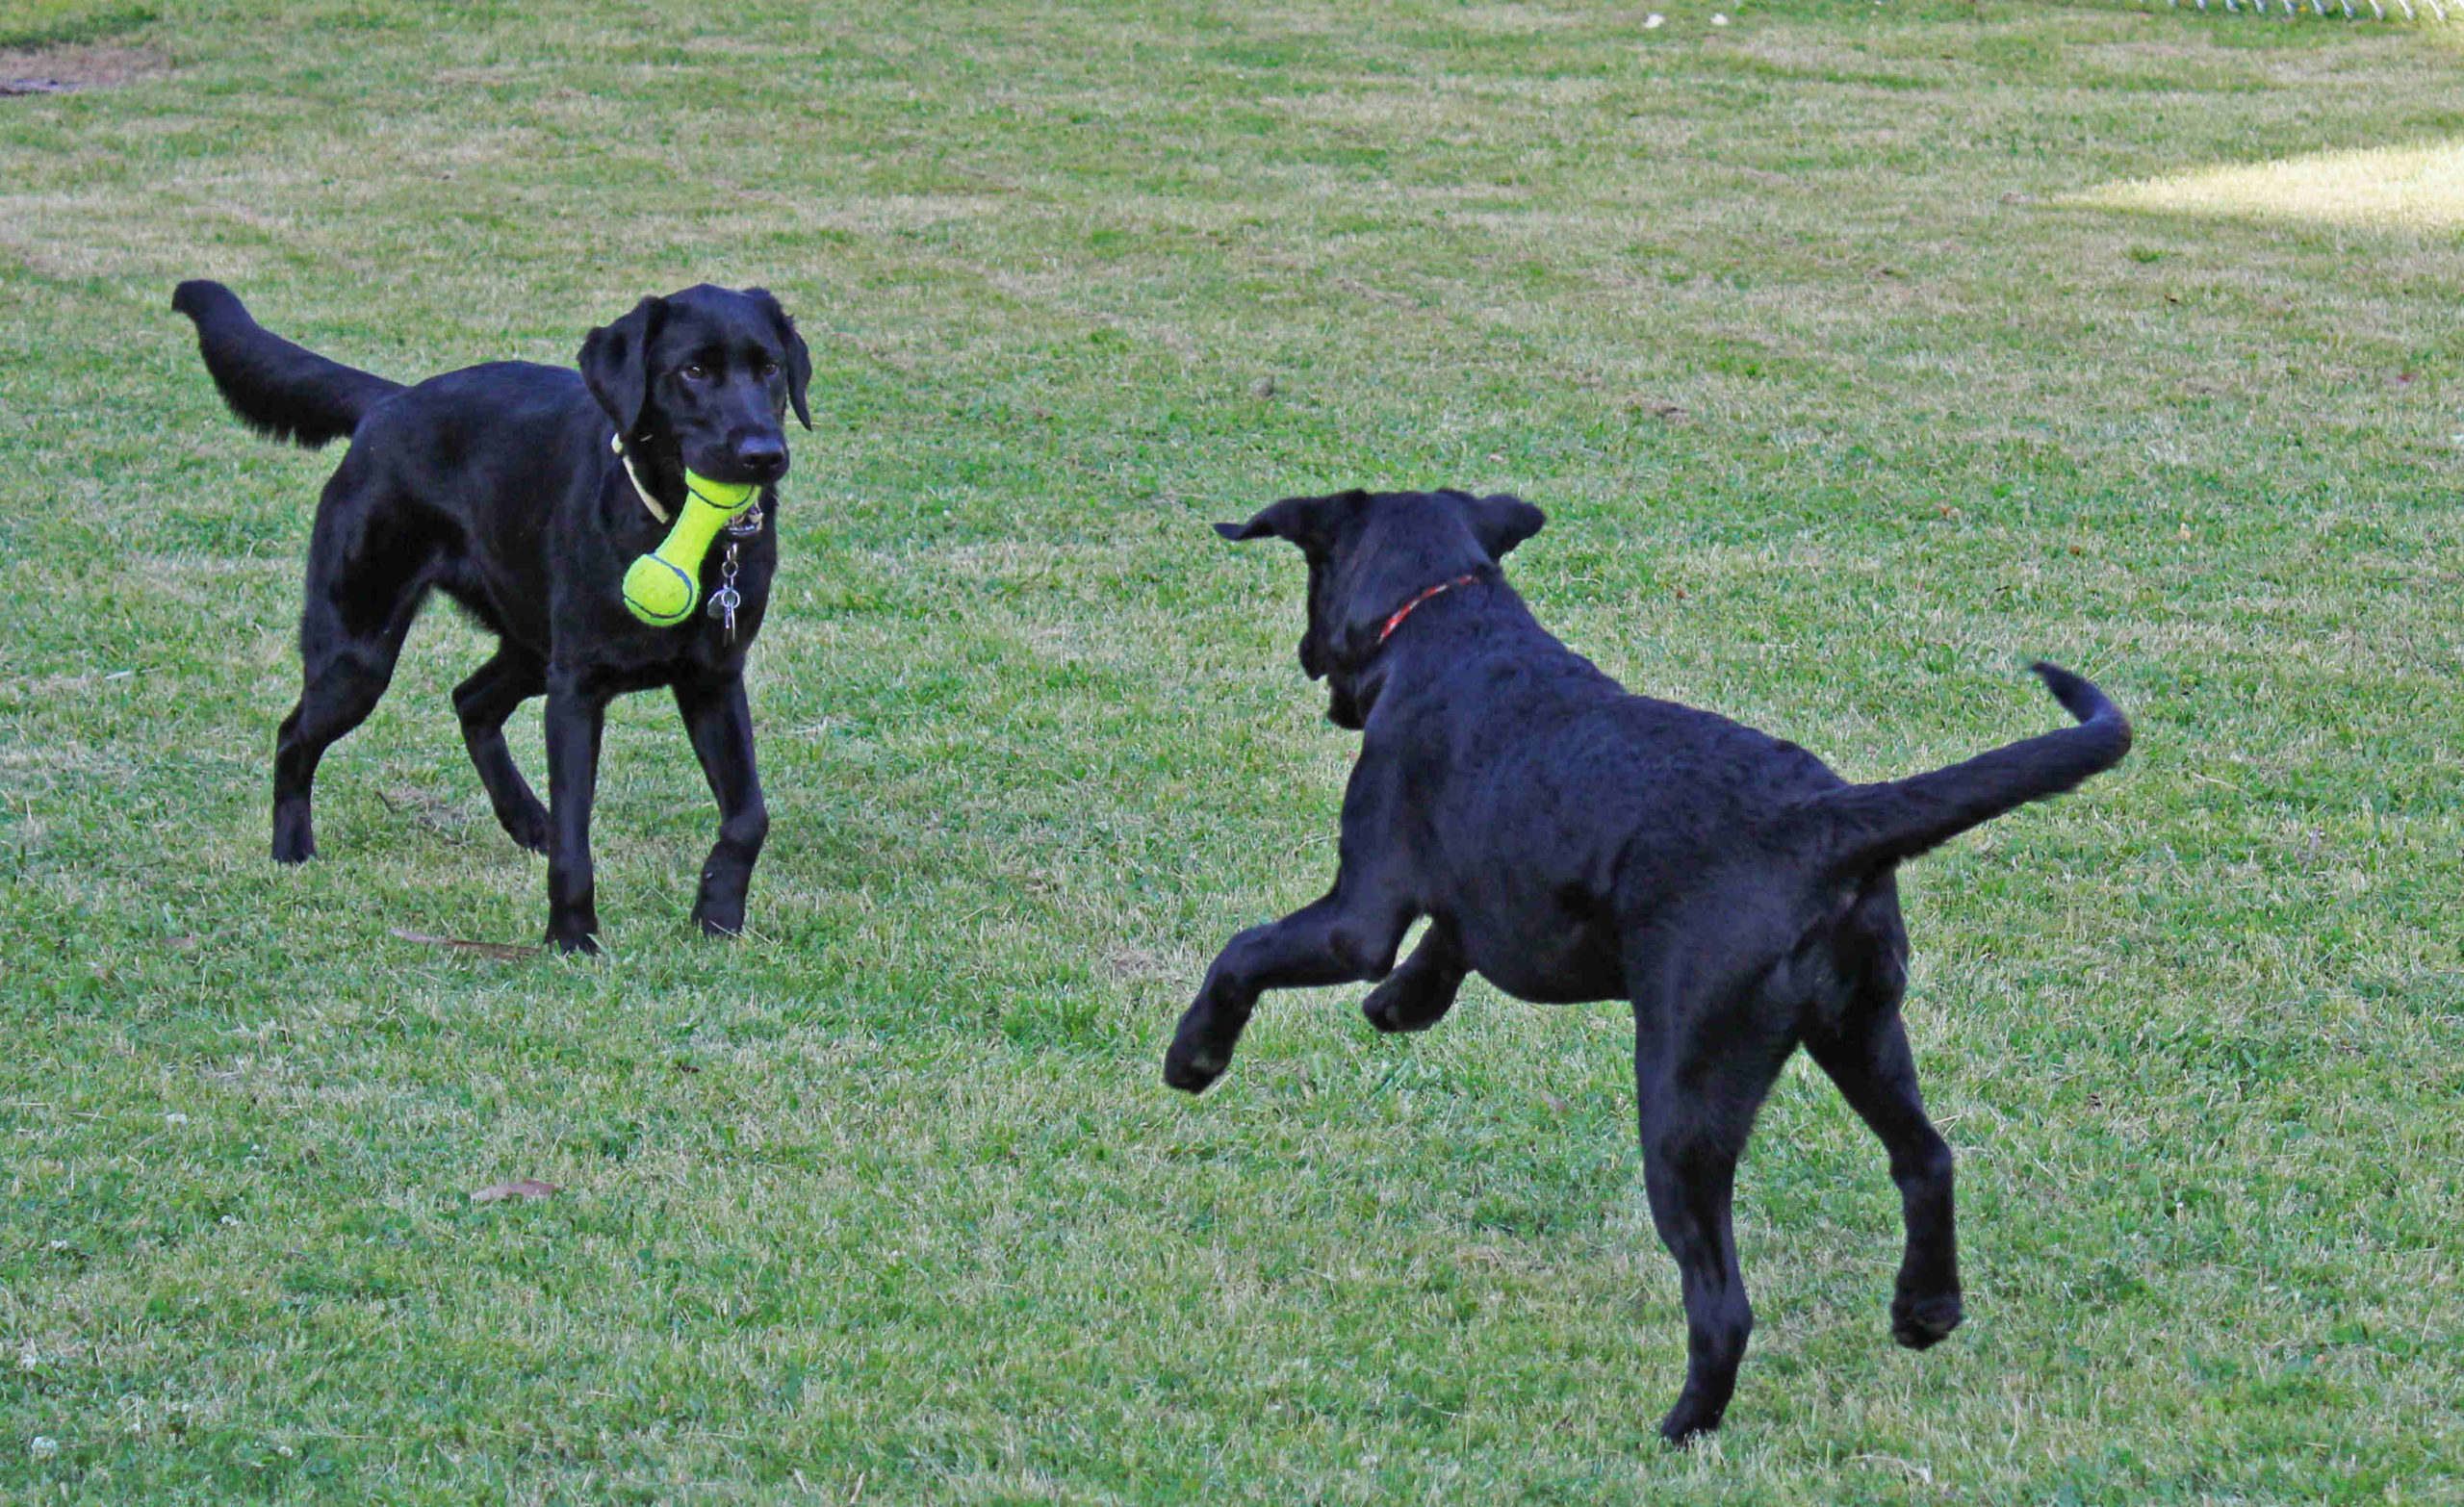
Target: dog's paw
[(527, 827), (1687, 1423), (1395, 1006), (1192, 1072), (295, 840), (1400, 1011), (1923, 1323), (713, 924), (566, 940)]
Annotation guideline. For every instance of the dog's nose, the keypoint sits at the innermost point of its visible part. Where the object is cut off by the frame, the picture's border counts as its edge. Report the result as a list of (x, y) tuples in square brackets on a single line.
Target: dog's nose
[(763, 458)]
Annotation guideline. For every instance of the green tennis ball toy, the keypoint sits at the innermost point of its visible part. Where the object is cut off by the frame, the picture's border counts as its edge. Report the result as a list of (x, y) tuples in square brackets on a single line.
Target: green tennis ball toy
[(662, 586)]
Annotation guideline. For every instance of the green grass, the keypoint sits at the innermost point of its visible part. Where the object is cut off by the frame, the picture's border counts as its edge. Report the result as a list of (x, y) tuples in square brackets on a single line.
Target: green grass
[(56, 23), (1842, 407)]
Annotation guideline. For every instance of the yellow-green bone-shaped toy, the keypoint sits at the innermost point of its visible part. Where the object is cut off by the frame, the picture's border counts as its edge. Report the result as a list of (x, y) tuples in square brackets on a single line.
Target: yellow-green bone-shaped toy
[(662, 586)]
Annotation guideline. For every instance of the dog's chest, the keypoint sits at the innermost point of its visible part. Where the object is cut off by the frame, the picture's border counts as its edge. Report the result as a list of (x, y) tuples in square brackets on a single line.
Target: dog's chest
[(627, 654)]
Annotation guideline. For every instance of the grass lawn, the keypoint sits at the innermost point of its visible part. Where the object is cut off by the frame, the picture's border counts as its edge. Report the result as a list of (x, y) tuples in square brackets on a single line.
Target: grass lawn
[(1860, 354)]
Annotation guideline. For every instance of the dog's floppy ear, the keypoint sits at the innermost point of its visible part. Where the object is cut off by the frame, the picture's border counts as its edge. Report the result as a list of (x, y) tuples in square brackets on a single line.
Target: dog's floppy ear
[(1501, 521), (615, 363), (1307, 522), (799, 359)]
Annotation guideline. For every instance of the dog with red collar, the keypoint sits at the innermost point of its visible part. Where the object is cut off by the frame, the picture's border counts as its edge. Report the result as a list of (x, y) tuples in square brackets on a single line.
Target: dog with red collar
[(1569, 841)]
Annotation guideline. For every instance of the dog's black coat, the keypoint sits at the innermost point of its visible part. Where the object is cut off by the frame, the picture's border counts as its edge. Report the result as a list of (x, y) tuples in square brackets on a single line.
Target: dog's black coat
[(1569, 841), (497, 486)]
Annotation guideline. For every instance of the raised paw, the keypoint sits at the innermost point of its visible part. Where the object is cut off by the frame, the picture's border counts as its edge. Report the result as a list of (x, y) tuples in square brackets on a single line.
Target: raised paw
[(1407, 1003), (1192, 1071), (527, 826)]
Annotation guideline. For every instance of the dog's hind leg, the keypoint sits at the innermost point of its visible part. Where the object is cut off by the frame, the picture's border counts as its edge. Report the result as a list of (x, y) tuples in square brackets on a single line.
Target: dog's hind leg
[(1869, 1060), (342, 685), (1865, 1052), (1349, 935), (720, 723), (511, 676), (350, 633), (1421, 991), (1698, 1080)]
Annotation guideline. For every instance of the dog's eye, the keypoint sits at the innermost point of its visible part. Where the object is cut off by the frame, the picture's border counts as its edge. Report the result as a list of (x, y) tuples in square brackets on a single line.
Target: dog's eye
[(695, 372), (769, 369)]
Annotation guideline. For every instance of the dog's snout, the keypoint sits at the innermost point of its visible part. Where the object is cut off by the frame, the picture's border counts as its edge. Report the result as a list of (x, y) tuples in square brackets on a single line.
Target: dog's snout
[(764, 456)]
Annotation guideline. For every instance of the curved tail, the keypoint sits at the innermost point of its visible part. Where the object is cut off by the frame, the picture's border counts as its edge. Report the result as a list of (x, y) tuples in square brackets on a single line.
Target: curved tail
[(277, 389), (1868, 826)]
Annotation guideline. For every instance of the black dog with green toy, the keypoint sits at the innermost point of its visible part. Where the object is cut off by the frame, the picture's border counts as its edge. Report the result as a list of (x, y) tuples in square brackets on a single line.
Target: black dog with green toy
[(582, 517)]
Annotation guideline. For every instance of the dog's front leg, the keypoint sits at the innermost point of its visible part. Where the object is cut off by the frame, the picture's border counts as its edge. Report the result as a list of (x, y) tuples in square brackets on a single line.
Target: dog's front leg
[(575, 719), (1346, 937), (720, 724)]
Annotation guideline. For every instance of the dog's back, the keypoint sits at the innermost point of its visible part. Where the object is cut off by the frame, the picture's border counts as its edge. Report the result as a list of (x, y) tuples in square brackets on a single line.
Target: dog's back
[(1594, 810), (1528, 724), (467, 442), (500, 437), (453, 480), (1588, 804)]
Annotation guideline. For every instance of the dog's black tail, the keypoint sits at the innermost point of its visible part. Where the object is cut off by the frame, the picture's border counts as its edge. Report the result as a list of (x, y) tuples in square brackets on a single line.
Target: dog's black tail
[(1865, 827), (277, 389)]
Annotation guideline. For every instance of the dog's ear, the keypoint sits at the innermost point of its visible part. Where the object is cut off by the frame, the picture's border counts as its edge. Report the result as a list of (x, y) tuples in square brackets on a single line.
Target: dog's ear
[(615, 363), (799, 359), (1501, 521), (1310, 523)]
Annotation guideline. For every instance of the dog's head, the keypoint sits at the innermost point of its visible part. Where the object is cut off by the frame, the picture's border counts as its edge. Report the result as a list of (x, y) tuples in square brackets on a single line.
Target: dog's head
[(704, 378), (1370, 554)]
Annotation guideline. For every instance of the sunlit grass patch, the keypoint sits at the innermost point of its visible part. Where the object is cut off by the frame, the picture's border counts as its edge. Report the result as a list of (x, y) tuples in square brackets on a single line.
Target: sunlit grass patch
[(2417, 187)]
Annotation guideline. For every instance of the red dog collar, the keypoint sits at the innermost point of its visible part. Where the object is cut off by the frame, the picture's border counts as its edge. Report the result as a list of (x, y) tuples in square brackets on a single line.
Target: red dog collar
[(1405, 610)]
